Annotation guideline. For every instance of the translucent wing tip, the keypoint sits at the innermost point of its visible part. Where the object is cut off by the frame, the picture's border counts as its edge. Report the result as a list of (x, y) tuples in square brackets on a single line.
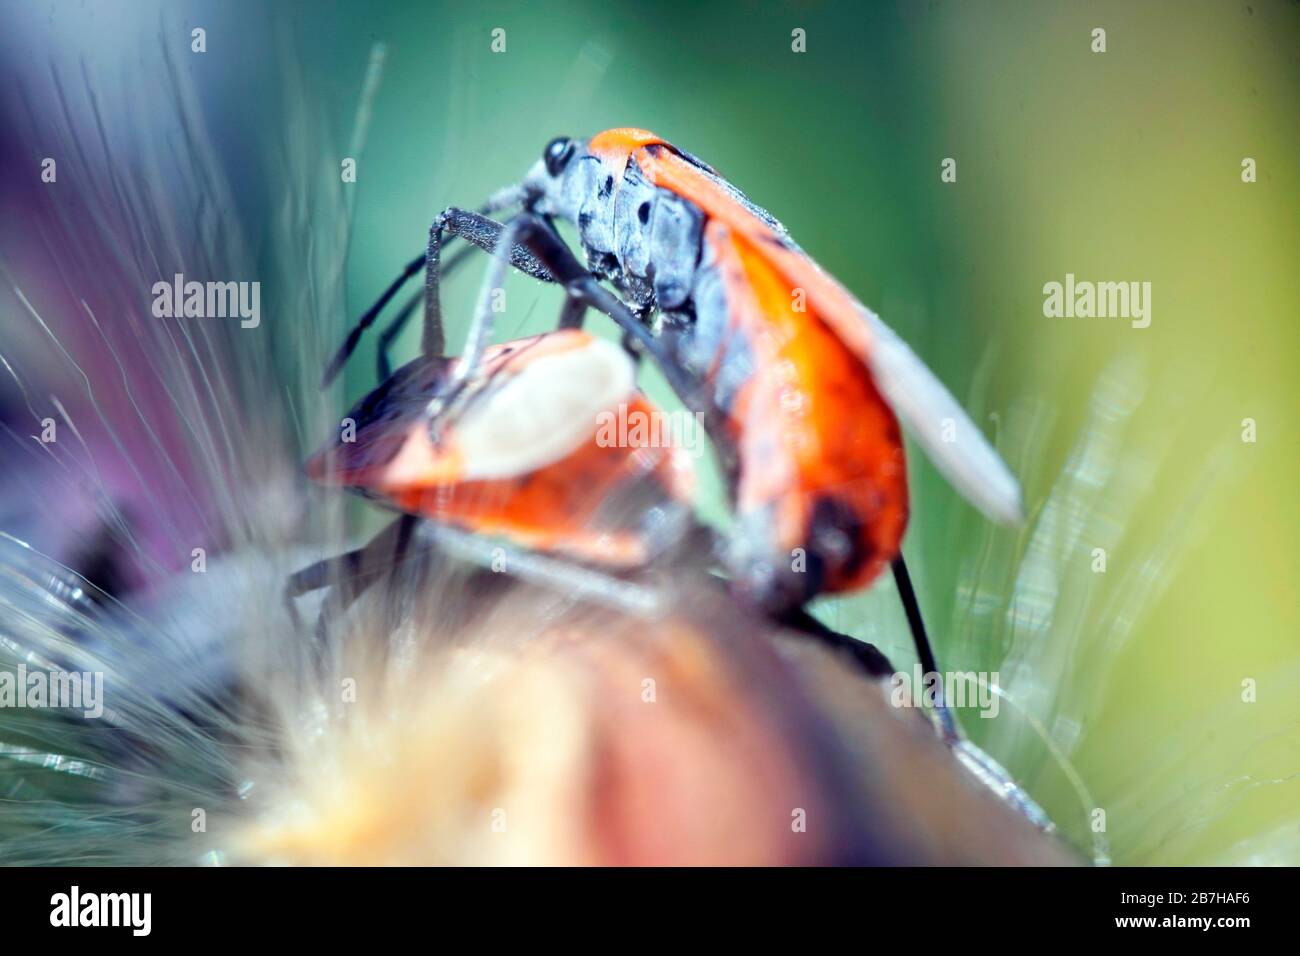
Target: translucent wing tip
[(1004, 503)]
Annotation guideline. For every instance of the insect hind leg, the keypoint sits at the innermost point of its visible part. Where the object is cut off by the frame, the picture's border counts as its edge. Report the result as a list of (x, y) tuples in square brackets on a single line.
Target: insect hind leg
[(866, 656), (350, 574), (924, 652)]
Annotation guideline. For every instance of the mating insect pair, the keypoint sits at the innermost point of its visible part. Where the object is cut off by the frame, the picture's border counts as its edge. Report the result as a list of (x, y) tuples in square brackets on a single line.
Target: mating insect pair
[(798, 382)]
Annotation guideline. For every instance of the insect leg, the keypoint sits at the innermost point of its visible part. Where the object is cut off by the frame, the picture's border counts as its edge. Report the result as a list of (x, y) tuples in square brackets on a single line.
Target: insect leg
[(397, 324), (923, 650), (351, 573), (573, 311), (864, 655), (433, 326), (480, 329), (507, 248), (482, 232), (572, 314)]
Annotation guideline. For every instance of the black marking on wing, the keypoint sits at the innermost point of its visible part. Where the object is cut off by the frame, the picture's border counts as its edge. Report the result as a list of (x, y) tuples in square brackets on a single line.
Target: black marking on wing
[(695, 161), (753, 209)]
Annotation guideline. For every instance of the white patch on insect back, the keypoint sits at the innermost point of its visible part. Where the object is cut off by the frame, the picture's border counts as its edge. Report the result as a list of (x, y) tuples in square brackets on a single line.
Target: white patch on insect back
[(544, 412)]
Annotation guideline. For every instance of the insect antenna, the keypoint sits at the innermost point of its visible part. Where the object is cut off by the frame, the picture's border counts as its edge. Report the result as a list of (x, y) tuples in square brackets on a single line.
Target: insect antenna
[(367, 319)]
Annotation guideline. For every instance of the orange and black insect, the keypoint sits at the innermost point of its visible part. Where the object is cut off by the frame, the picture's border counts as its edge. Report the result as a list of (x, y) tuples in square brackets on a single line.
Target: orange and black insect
[(804, 385), (509, 444), (519, 454)]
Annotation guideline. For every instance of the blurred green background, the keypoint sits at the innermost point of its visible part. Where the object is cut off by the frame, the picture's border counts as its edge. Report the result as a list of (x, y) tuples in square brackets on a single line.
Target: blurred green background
[(1117, 166), (1123, 165)]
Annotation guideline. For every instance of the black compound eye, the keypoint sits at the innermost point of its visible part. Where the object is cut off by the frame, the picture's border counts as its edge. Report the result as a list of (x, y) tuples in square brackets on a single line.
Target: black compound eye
[(557, 154)]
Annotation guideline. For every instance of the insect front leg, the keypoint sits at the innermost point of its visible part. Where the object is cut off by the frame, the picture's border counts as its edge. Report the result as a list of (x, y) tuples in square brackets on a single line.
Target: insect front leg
[(397, 324), (480, 231), (513, 244), (453, 221)]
